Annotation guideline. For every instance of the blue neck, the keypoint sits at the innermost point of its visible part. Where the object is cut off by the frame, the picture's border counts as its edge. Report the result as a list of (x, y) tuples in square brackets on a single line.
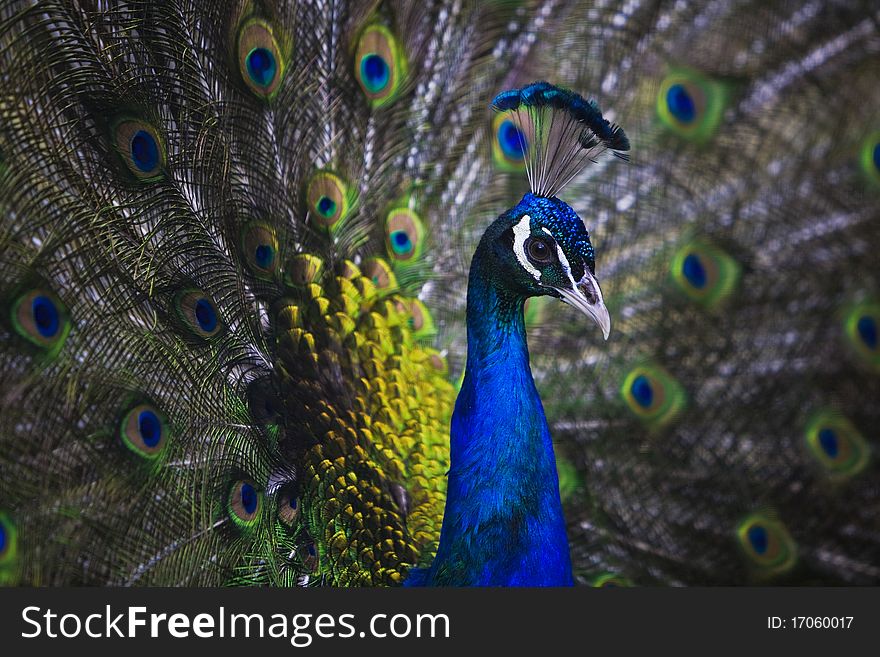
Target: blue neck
[(503, 524)]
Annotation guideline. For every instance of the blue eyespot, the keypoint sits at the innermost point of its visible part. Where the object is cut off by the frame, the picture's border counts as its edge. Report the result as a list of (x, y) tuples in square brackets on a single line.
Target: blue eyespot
[(248, 498), (264, 255), (757, 535), (767, 543), (144, 430), (400, 241), (512, 140), (404, 234), (259, 58), (326, 206), (375, 72), (40, 317), (836, 444), (680, 104), (150, 428), (642, 391), (46, 317), (260, 249), (694, 271), (309, 556), (141, 148), (379, 65), (244, 504), (877, 157), (144, 151), (867, 328), (261, 66), (828, 441), (288, 513), (206, 315), (197, 310), (7, 542)]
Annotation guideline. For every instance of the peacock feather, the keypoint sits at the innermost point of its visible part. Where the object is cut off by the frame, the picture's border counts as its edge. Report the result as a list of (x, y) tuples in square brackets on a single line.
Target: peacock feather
[(276, 280)]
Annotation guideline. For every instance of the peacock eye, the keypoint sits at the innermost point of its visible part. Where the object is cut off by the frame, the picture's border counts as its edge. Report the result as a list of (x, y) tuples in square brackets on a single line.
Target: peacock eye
[(539, 251)]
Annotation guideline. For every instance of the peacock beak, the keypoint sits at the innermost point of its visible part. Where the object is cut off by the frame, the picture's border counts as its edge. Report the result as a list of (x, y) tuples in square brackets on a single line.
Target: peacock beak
[(587, 297)]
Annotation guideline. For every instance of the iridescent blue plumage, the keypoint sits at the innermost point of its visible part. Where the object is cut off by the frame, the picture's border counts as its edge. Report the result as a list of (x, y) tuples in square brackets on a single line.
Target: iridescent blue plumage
[(680, 103), (757, 535), (828, 441), (150, 428), (694, 271), (206, 315), (261, 66), (227, 226), (264, 255), (375, 72), (45, 316), (642, 391), (542, 94), (503, 524), (144, 151), (867, 328), (248, 498), (511, 139)]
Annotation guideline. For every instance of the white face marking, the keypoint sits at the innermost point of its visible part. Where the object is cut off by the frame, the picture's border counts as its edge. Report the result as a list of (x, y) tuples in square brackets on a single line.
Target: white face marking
[(521, 232), (565, 265)]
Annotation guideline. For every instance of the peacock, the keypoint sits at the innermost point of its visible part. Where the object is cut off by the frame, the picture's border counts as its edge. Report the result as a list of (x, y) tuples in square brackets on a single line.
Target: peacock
[(517, 292)]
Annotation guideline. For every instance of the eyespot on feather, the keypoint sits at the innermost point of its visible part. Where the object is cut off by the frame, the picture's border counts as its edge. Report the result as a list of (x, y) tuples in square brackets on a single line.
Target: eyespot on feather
[(766, 543), (379, 65), (329, 198), (418, 318), (39, 317), (691, 105), (404, 234), (862, 331), (380, 274), (308, 554), (610, 581), (288, 509), (198, 313), (8, 540), (870, 158), (260, 60), (144, 430), (244, 503), (260, 250), (653, 395), (705, 273), (438, 362), (509, 143), (836, 444), (141, 148)]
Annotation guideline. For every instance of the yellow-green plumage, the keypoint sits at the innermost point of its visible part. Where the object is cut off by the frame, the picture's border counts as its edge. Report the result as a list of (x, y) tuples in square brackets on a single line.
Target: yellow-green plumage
[(234, 251), (354, 374)]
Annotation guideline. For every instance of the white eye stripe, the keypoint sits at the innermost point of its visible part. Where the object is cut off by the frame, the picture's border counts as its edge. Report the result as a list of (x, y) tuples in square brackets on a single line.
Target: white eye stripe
[(565, 265), (521, 233)]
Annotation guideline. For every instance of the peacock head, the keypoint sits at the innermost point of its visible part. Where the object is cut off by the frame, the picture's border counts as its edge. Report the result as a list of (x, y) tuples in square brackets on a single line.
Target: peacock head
[(541, 244), (542, 247)]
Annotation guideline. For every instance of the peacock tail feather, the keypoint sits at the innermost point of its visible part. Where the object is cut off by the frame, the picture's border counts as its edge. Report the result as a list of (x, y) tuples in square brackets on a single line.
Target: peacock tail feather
[(234, 252)]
